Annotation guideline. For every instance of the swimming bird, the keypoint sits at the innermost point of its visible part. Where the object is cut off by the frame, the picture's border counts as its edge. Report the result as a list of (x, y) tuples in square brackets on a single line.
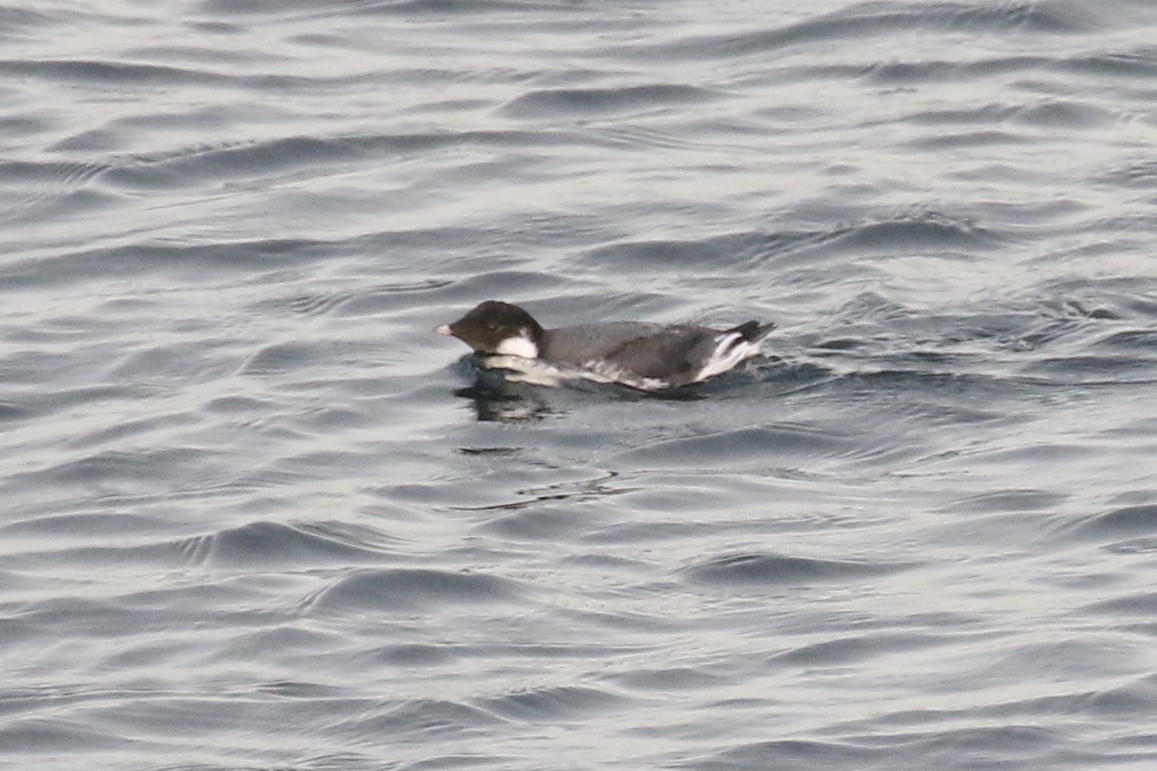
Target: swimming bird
[(645, 356)]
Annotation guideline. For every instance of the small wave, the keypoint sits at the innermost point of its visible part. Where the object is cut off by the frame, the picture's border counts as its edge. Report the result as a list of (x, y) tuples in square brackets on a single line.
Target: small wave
[(309, 9), (265, 545), (1007, 501), (318, 303), (854, 649), (910, 231), (15, 22), (547, 103), (45, 736), (279, 358), (119, 73), (1116, 524), (410, 588), (764, 444), (861, 21), (791, 754), (420, 718), (1135, 175), (777, 569), (193, 262), (551, 704)]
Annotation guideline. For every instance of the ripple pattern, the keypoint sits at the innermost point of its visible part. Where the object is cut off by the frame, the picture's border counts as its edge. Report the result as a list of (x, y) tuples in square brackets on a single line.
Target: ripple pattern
[(255, 514)]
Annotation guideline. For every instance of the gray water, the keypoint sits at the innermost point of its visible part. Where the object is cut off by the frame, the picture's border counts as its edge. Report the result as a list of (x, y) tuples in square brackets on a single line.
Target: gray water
[(254, 514)]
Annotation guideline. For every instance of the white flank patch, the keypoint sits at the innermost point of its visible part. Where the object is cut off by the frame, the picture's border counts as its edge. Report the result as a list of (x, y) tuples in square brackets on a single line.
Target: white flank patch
[(601, 371), (518, 346), (543, 373), (723, 360)]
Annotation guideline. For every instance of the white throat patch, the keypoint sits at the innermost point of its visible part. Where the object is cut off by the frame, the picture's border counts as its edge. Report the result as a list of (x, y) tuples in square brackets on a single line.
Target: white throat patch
[(521, 346)]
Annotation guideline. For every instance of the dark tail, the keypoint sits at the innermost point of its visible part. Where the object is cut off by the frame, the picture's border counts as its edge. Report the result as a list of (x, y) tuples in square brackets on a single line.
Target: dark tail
[(753, 331)]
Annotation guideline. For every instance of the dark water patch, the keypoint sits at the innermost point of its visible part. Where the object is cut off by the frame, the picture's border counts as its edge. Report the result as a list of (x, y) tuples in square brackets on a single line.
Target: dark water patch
[(1144, 545), (1007, 501), (541, 524), (266, 8), (139, 469), (145, 77), (905, 73), (769, 377), (16, 128), (308, 9), (46, 736), (18, 23), (68, 617), (572, 491), (627, 100), (454, 760), (285, 642), (553, 704), (1066, 114), (769, 444), (913, 232), (1140, 64), (15, 633), (983, 115), (1091, 369), (1137, 341), (735, 251), (52, 188), (985, 746), (755, 569), (970, 139), (412, 589), (1112, 525), (1130, 296), (319, 303), (456, 295), (237, 405), (80, 71), (51, 174), (273, 545), (422, 718), (788, 754), (178, 362), (293, 689), (89, 526), (208, 54), (416, 654), (669, 679), (1134, 175), (854, 649), (280, 358), (195, 166), (860, 21), (494, 401), (1137, 604), (457, 8), (1104, 703), (11, 411), (195, 262)]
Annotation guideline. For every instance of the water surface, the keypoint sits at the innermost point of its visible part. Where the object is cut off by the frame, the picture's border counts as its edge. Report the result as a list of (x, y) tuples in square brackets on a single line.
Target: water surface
[(255, 514)]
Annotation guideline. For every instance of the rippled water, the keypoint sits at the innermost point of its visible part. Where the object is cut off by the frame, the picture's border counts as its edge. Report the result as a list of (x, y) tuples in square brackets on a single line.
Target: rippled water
[(255, 514)]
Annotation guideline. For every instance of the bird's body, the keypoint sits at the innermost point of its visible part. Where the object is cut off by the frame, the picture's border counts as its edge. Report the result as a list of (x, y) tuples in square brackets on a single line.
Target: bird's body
[(638, 354)]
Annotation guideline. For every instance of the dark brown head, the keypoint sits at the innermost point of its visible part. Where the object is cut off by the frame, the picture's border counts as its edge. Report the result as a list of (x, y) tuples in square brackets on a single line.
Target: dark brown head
[(497, 328)]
